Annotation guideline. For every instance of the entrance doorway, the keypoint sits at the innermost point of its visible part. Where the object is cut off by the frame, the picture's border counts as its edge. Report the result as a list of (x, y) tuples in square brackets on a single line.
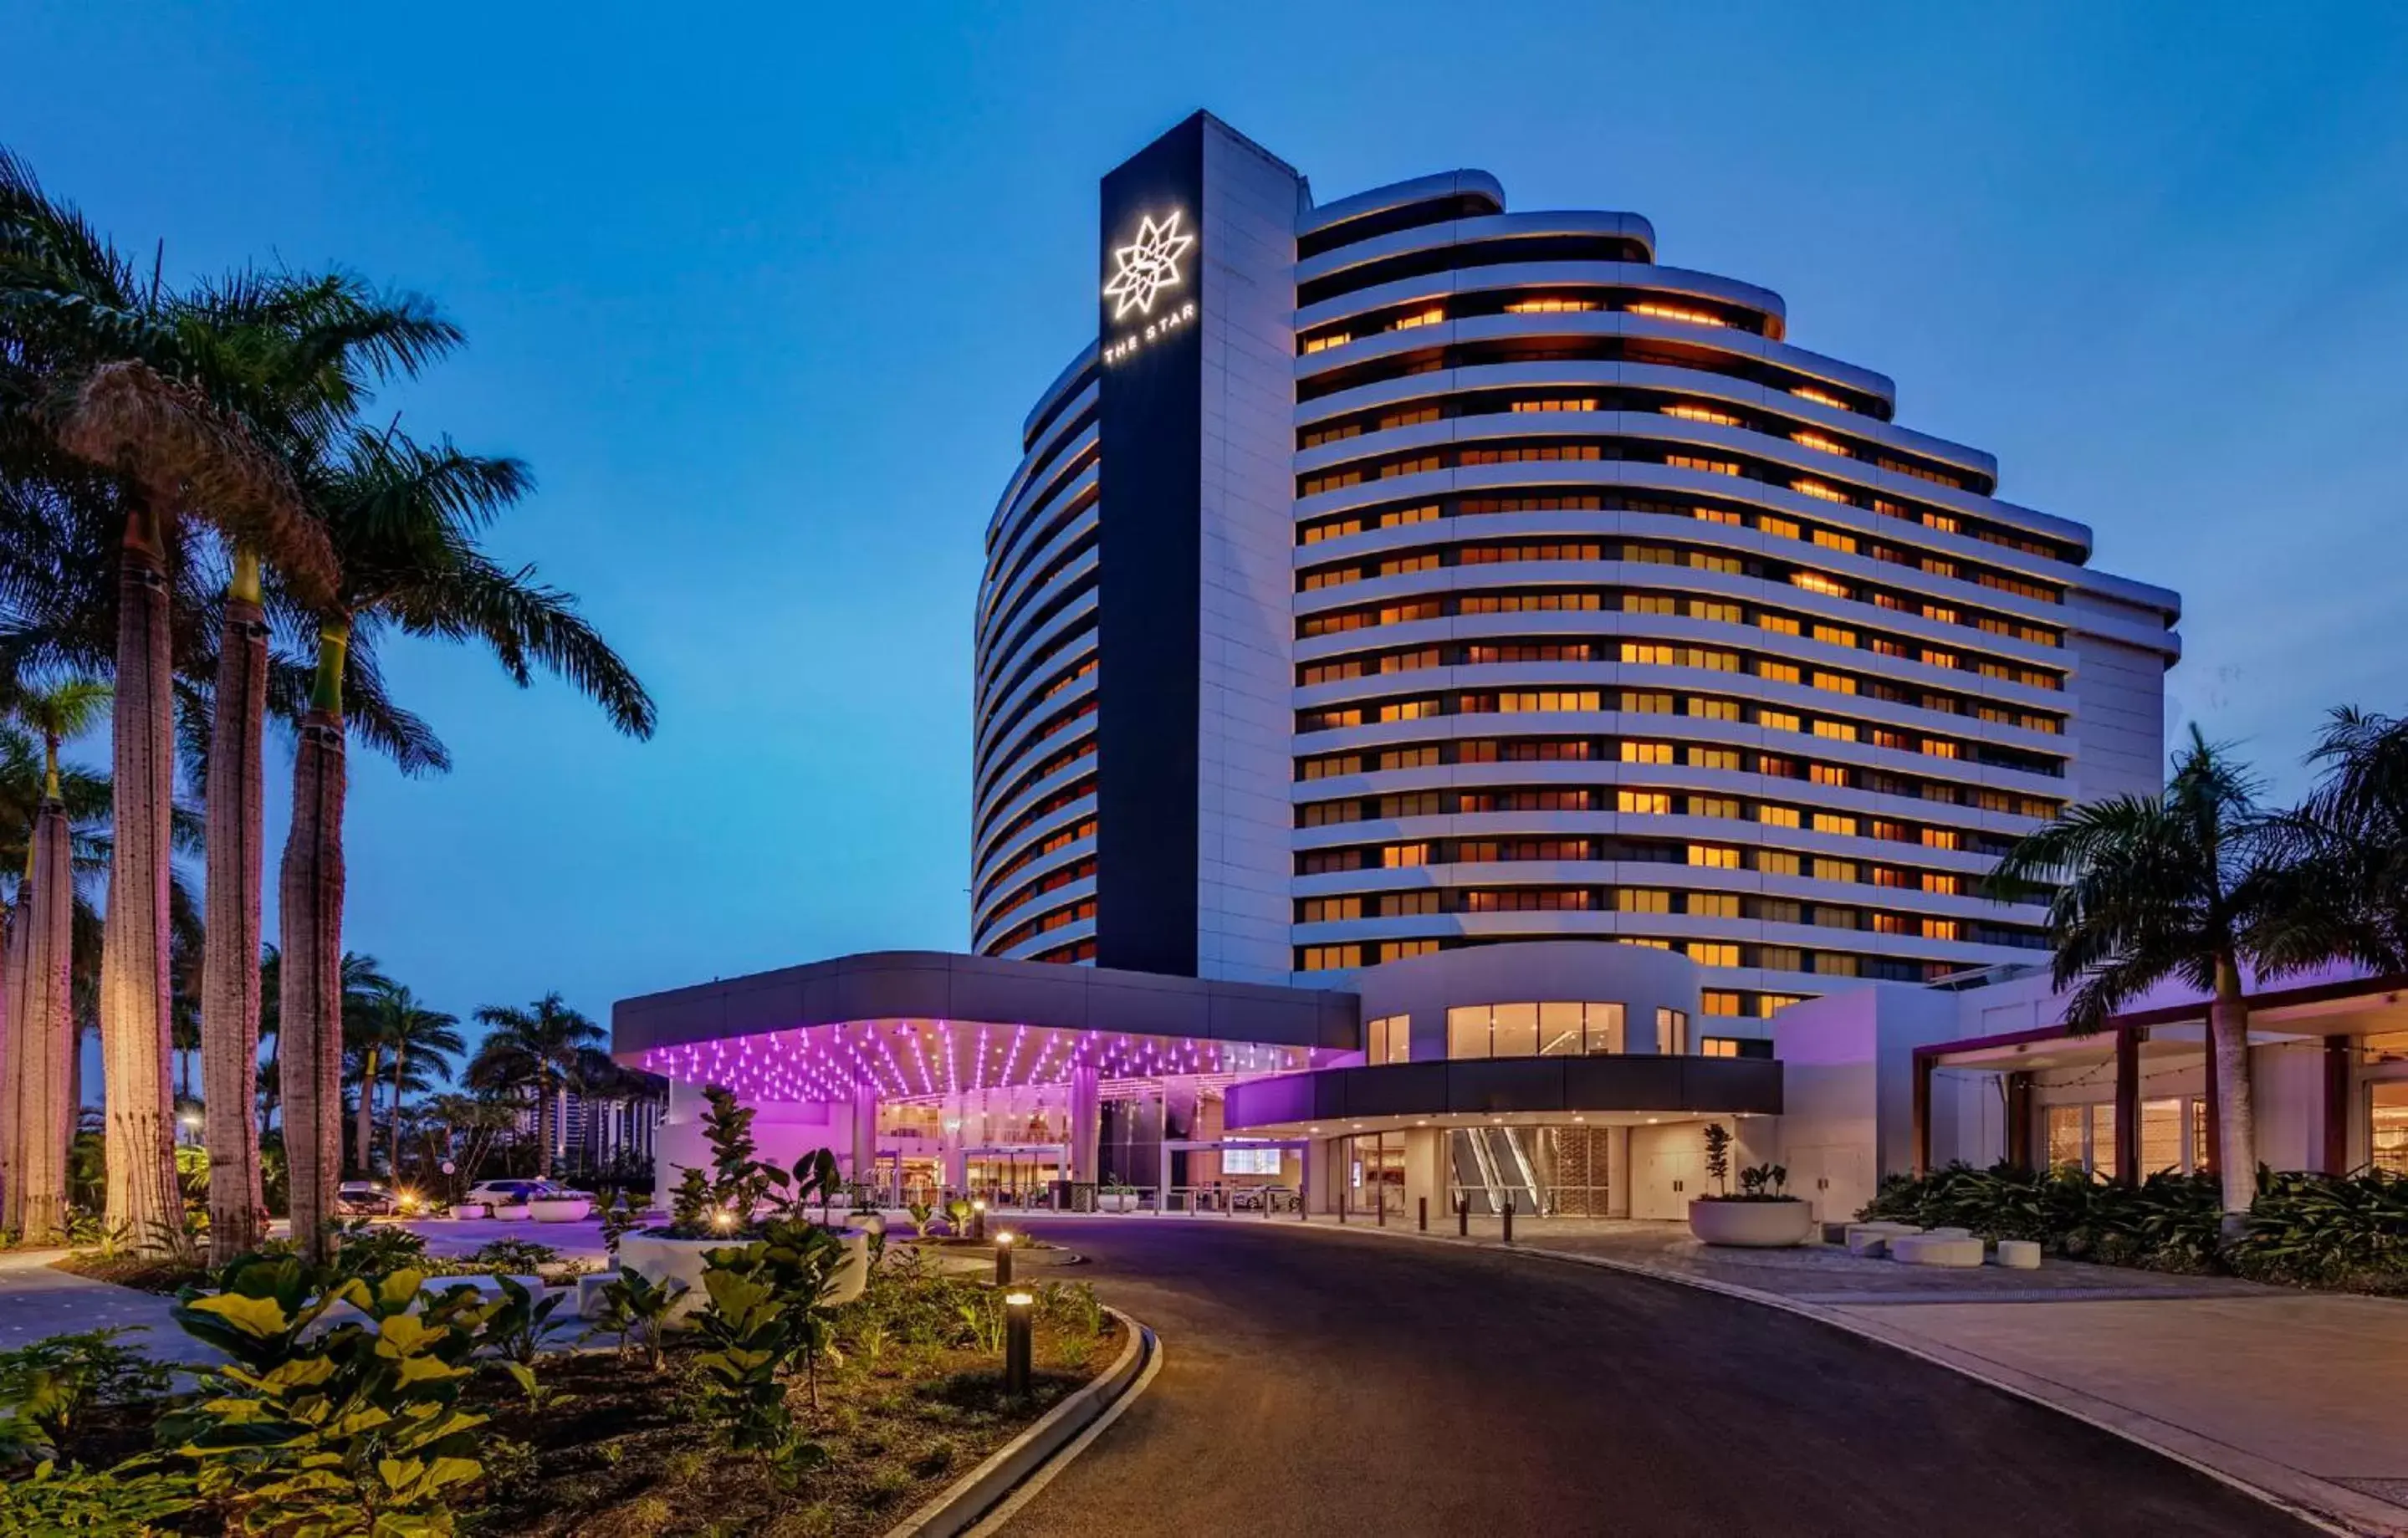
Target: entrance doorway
[(1016, 1174)]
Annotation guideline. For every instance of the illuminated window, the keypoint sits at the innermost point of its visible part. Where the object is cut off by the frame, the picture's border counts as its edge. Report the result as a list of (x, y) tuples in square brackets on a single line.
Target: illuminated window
[(1412, 417), (1326, 340), (1781, 528), (1646, 753), (1669, 312), (1573, 403), (1649, 603), (1816, 441), (1549, 306), (1672, 1033), (1778, 673), (1328, 909), (1777, 816), (1833, 821), (1721, 515), (1702, 609), (1828, 539), (1646, 802), (1388, 1040), (1939, 928), (1807, 392), (1714, 856), (1715, 710), (1713, 758), (1548, 700), (1815, 581), (1419, 318), (1837, 684), (1407, 904), (1711, 467), (1835, 869), (1837, 731), (1647, 704), (1399, 950), (1777, 720), (1818, 491), (1399, 856), (1946, 885), (1706, 953), (1780, 624), (1641, 652), (1322, 958), (1713, 806), (1702, 414), (1642, 899), (1835, 635), (1713, 905)]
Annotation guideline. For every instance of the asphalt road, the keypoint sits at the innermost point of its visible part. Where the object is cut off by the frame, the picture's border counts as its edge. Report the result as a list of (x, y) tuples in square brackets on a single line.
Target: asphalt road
[(1327, 1384)]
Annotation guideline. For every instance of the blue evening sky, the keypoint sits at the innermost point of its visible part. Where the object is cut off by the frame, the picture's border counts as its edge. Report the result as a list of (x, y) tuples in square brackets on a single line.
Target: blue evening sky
[(763, 298)]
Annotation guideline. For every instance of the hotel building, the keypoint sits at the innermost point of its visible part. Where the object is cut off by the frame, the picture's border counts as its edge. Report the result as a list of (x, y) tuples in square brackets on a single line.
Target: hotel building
[(1445, 682)]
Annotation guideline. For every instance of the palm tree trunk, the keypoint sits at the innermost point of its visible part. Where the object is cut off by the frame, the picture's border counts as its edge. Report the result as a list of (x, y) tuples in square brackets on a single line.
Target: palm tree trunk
[(310, 914), (143, 1197), (236, 860), (44, 1112), (364, 1119), (12, 1061), (542, 1133), (393, 1159), (2236, 1159)]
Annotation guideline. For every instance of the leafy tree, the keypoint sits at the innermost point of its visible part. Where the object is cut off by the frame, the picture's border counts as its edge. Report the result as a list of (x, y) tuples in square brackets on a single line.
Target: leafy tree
[(2347, 883)]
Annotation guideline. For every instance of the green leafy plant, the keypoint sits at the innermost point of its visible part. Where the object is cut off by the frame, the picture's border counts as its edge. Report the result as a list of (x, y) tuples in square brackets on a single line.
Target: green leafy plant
[(620, 1217), (53, 1385), (513, 1327), (129, 1500), (636, 1307), (513, 1257), (921, 1214), (689, 1201), (354, 1429), (362, 1249), (766, 1312)]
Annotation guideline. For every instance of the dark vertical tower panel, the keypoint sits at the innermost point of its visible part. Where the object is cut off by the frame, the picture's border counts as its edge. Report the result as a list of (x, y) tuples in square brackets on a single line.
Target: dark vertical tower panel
[(1149, 555)]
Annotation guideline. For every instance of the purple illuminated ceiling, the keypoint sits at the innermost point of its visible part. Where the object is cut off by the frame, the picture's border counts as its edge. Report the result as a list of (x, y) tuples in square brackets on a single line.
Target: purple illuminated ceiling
[(928, 1059)]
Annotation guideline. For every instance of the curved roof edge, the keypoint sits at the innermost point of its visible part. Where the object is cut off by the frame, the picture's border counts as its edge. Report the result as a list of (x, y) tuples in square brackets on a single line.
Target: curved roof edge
[(1403, 194), (1636, 1081), (1054, 392)]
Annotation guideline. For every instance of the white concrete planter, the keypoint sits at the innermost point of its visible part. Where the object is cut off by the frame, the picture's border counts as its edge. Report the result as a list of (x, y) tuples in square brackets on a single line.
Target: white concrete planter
[(1115, 1201), (472, 1210), (561, 1209), (510, 1212), (659, 1259), (1753, 1224)]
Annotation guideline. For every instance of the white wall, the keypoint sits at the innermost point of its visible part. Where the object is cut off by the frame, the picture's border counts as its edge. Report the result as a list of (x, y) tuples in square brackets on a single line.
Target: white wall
[(1243, 856), (782, 1133)]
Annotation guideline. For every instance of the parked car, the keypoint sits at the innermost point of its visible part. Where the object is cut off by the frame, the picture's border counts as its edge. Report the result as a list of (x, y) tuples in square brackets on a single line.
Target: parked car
[(365, 1199), (506, 1193)]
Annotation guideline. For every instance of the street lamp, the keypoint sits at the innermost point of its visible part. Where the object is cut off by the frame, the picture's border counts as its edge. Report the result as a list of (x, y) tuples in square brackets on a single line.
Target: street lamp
[(1017, 1320)]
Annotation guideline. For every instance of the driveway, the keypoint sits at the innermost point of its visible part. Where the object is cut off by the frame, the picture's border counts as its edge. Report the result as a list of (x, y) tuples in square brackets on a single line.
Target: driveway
[(1328, 1384)]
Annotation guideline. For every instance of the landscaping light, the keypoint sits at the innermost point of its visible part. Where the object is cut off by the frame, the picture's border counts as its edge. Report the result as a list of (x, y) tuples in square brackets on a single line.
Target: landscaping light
[(1003, 1259), (190, 1118), (722, 1219), (1017, 1322)]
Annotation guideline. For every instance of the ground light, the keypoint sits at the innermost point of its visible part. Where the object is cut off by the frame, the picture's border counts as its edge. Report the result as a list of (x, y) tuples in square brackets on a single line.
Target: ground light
[(978, 1217), (1003, 1258), (1017, 1320)]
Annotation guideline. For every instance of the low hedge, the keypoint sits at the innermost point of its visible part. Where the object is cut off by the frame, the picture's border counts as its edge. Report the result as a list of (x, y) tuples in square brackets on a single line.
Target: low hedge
[(2347, 1232)]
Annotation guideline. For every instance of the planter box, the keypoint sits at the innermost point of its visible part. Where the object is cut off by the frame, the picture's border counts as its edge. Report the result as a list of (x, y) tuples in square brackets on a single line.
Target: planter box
[(1753, 1224), (511, 1212), (472, 1210), (1115, 1201), (658, 1258), (561, 1209)]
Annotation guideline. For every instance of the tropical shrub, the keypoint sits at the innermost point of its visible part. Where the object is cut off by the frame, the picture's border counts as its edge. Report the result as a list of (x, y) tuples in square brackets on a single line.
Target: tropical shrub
[(362, 1249), (2304, 1229), (126, 1502), (48, 1387), (766, 1312), (354, 1428), (636, 1307)]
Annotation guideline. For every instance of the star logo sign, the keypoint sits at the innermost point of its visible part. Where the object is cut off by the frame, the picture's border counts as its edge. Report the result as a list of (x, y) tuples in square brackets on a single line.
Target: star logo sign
[(1147, 265)]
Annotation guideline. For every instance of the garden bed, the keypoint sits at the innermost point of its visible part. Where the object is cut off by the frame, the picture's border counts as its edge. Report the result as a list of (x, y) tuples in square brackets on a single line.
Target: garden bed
[(624, 1457)]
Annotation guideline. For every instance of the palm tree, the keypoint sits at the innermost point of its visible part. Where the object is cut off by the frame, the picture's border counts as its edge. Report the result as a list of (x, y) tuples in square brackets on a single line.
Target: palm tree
[(471, 1125), (2348, 846), (535, 1048), (320, 343), (404, 520), (42, 1118), (2179, 884), (142, 389), (395, 1026)]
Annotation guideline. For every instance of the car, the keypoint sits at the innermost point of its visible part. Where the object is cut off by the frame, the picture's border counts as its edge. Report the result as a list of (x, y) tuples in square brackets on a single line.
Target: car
[(365, 1199), (506, 1193)]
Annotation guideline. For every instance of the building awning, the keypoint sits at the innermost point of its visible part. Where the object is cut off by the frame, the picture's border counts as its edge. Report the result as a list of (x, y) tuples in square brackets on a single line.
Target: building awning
[(1607, 1088)]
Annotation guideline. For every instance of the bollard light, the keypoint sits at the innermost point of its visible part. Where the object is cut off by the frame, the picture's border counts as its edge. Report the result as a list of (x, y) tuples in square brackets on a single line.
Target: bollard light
[(1018, 1319), (1509, 1219), (978, 1217), (1003, 1258)]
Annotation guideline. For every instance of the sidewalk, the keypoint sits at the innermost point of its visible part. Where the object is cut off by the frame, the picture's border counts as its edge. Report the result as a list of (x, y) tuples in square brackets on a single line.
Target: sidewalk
[(2297, 1395), (36, 1300)]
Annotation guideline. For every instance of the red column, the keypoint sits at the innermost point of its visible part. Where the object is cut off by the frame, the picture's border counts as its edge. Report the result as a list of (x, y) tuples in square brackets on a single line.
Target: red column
[(2128, 1105), (2337, 1060)]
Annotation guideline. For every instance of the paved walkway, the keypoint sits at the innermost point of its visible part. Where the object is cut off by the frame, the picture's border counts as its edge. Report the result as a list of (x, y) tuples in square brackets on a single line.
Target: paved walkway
[(37, 1300), (2298, 1394)]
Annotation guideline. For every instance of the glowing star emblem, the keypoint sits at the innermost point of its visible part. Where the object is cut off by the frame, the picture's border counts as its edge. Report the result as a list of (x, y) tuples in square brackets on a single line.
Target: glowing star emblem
[(1147, 265)]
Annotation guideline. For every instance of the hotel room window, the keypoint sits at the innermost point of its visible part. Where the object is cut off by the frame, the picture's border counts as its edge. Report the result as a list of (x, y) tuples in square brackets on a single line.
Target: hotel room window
[(1672, 1033)]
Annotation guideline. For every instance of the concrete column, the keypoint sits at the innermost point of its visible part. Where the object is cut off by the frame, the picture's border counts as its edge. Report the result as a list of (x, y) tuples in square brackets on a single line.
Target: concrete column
[(1086, 1124), (865, 1133), (1617, 1172), (1425, 1174), (2335, 1127), (2128, 1106)]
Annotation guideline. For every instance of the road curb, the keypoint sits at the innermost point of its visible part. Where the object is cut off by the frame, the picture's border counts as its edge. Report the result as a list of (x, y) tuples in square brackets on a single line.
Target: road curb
[(2320, 1502), (982, 1498)]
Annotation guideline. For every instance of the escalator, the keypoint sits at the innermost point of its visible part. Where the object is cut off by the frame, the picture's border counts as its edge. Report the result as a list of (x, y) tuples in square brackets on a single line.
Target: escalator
[(1489, 1164)]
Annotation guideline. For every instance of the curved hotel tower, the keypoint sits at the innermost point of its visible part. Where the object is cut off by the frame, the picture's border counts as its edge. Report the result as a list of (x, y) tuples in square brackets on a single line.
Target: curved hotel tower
[(1463, 707), (1402, 574)]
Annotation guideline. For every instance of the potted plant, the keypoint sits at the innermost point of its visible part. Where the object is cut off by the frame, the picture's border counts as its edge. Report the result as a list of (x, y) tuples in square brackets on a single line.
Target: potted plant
[(1761, 1214), (726, 1207), (1115, 1197)]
